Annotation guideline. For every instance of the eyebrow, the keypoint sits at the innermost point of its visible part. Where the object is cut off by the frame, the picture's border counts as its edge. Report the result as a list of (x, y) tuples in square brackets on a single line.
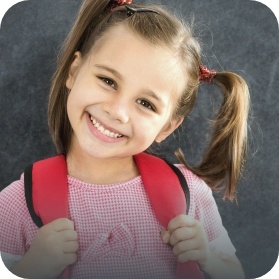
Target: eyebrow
[(149, 93), (114, 72), (154, 95)]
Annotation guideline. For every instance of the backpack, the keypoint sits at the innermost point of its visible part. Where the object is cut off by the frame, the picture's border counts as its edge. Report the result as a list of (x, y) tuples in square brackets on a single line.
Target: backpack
[(165, 185)]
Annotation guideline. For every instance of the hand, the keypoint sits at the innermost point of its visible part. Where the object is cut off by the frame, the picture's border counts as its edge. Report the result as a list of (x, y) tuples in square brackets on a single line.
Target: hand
[(52, 250), (188, 239)]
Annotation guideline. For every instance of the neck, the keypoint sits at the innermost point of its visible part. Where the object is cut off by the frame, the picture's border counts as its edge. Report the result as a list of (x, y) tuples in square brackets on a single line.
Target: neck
[(101, 170)]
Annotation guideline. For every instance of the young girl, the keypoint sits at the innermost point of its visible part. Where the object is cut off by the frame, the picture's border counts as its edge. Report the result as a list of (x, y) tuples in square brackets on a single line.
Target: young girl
[(127, 76)]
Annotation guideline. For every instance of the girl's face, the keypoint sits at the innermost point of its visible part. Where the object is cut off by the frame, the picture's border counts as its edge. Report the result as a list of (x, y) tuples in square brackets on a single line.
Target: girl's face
[(122, 96)]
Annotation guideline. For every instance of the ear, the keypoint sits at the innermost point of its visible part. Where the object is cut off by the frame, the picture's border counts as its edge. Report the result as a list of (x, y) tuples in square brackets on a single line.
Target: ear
[(73, 70), (168, 129)]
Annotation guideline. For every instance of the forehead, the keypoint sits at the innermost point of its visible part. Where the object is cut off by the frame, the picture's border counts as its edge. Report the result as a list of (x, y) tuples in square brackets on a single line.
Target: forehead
[(132, 55)]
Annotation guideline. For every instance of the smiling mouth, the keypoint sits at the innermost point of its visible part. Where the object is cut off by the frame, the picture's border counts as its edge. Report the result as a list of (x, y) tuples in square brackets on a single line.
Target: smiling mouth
[(103, 130)]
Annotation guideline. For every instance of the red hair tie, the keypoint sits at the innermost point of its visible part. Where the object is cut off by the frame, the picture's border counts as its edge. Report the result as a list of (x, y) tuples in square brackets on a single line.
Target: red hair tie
[(117, 3), (206, 75)]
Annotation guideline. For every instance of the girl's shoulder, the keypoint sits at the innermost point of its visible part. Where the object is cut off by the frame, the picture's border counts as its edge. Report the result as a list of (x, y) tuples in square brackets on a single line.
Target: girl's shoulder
[(17, 227), (15, 186), (13, 196), (196, 184), (201, 197)]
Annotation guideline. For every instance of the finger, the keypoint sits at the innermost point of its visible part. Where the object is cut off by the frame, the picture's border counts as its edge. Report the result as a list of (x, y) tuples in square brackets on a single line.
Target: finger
[(165, 235), (182, 234), (191, 255), (180, 221), (70, 247), (61, 224), (186, 245), (68, 235)]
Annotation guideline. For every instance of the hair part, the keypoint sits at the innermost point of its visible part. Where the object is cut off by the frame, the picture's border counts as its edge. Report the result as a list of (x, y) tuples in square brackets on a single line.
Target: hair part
[(224, 158)]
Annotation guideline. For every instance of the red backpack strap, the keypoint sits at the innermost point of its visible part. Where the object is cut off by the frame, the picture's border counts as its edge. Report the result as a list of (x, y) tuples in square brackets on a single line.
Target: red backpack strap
[(162, 186), (46, 190), (162, 183)]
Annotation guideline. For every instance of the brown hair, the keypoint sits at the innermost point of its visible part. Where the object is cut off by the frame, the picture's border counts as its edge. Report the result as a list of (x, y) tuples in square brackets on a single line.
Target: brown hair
[(224, 157)]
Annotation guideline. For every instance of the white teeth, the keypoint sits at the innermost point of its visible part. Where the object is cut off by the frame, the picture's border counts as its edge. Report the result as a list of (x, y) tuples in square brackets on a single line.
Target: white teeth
[(104, 131)]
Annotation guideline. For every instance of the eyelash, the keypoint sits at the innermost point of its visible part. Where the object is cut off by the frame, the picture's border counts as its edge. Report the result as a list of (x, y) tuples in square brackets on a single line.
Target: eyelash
[(109, 82), (146, 104)]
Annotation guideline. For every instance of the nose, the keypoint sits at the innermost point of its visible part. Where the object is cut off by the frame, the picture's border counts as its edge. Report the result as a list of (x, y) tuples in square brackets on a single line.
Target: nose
[(118, 109)]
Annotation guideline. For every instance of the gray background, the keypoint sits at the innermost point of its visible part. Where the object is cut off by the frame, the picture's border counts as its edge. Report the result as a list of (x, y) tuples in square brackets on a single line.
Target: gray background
[(238, 35)]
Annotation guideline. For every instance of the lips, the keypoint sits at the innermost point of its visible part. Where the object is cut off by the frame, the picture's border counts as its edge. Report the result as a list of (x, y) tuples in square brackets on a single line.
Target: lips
[(104, 130)]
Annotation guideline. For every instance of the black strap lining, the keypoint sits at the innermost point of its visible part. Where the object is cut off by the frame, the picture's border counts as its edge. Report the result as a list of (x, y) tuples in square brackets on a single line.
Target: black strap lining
[(28, 196), (183, 183)]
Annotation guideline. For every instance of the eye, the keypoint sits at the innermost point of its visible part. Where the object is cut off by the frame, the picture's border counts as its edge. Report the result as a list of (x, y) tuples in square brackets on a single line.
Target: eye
[(146, 104), (109, 82)]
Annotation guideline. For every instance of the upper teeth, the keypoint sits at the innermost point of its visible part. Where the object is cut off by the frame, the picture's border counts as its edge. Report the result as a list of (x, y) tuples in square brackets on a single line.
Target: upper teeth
[(104, 131)]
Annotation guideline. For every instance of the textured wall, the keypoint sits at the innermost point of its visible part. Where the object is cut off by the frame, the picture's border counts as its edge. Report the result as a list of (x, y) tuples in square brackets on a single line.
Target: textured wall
[(238, 35)]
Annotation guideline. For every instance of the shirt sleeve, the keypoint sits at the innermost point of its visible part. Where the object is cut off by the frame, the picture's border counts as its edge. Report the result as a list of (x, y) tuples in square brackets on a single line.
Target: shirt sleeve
[(204, 208), (10, 260)]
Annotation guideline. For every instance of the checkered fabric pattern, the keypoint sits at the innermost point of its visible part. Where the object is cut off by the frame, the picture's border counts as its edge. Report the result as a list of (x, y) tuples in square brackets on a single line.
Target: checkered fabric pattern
[(118, 233)]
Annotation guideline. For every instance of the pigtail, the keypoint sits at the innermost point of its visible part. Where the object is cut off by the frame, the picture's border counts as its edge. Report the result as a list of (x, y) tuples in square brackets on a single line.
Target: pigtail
[(223, 161)]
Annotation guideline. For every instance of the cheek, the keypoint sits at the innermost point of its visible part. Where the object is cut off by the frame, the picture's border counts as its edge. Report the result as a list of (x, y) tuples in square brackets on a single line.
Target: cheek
[(77, 100), (70, 110), (75, 107), (148, 130), (71, 104)]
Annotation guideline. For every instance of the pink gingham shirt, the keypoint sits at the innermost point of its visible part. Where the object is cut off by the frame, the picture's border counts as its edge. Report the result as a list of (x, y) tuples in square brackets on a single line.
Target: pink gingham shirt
[(118, 233)]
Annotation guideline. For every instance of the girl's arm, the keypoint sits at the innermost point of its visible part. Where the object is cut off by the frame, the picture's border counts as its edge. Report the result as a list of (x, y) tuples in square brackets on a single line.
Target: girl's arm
[(190, 243), (10, 260), (53, 249), (53, 246), (224, 269)]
